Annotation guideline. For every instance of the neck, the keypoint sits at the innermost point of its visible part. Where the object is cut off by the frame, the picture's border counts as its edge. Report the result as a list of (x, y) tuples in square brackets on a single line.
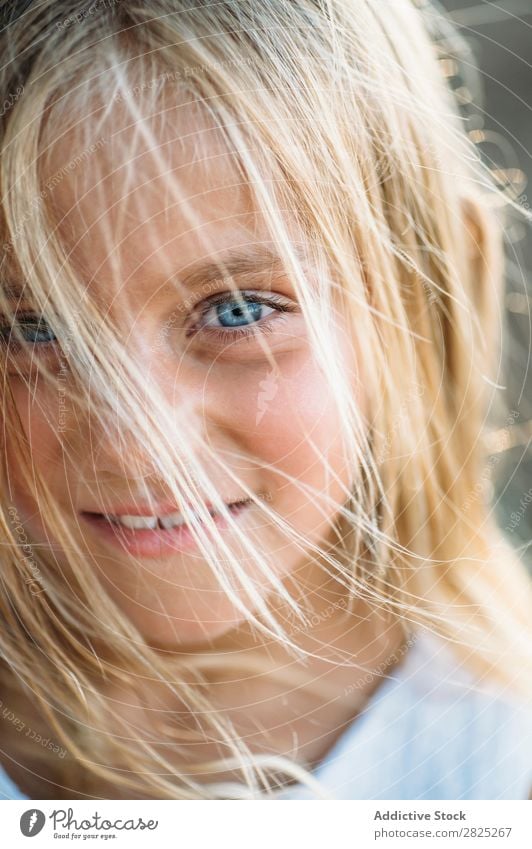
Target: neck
[(280, 699)]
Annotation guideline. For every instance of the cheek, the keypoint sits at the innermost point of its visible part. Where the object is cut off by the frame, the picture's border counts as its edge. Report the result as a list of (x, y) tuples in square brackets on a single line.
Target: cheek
[(37, 415), (271, 410), (38, 412), (296, 414), (287, 422)]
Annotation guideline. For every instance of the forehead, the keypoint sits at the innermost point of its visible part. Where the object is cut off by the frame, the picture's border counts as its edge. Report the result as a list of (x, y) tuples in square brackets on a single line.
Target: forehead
[(148, 194)]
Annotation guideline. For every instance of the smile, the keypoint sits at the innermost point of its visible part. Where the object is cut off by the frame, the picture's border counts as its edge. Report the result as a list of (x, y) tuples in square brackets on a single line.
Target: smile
[(173, 520), (153, 535)]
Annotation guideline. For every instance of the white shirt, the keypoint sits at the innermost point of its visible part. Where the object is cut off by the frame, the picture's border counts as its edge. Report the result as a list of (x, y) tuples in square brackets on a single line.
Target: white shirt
[(426, 733)]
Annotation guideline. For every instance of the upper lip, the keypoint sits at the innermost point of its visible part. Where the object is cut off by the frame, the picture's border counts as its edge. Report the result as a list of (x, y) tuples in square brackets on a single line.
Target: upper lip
[(158, 509)]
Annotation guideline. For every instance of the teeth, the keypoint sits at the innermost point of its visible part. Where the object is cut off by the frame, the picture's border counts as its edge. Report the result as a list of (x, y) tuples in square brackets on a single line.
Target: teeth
[(135, 522), (172, 520), (175, 520)]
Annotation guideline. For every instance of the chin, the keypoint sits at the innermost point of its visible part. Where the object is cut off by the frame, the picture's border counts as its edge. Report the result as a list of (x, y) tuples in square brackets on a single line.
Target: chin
[(166, 630)]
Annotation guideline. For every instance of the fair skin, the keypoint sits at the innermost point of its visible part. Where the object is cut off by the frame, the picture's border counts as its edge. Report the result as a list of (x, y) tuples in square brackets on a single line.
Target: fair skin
[(175, 600)]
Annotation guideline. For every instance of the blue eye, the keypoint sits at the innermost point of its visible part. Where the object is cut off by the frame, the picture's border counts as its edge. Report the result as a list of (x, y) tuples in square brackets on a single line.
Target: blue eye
[(231, 317), (237, 312), (36, 331), (234, 314), (32, 329)]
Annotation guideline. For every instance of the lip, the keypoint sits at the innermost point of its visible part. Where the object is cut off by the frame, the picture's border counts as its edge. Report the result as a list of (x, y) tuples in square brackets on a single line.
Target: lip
[(144, 508), (148, 543)]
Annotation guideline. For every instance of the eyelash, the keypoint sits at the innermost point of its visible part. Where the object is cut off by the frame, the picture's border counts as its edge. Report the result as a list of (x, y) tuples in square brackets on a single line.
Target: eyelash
[(272, 299), (245, 331), (9, 339)]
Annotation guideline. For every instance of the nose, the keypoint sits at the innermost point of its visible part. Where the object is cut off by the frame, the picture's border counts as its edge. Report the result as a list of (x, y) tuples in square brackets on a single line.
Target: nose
[(116, 451), (106, 444)]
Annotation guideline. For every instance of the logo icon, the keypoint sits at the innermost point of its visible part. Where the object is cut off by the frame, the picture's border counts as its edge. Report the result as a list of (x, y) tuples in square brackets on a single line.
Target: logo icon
[(32, 822), (268, 392)]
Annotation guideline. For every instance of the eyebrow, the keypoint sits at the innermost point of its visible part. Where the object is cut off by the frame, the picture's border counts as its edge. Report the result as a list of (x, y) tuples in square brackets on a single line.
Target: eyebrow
[(12, 291), (250, 261)]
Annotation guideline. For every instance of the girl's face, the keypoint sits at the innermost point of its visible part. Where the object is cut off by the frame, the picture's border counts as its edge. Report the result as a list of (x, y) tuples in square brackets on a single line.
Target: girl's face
[(276, 429)]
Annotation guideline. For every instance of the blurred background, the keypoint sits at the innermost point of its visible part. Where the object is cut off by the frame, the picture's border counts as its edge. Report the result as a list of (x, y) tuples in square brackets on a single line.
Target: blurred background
[(496, 102)]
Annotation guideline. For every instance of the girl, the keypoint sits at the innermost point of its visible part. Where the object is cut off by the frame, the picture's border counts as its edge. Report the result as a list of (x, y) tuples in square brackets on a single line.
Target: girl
[(250, 330)]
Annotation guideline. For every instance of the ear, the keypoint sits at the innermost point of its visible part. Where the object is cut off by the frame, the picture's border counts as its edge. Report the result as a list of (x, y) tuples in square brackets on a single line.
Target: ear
[(484, 249), (483, 277)]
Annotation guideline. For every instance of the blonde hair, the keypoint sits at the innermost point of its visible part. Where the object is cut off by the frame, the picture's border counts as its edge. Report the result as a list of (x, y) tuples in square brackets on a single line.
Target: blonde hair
[(344, 104)]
